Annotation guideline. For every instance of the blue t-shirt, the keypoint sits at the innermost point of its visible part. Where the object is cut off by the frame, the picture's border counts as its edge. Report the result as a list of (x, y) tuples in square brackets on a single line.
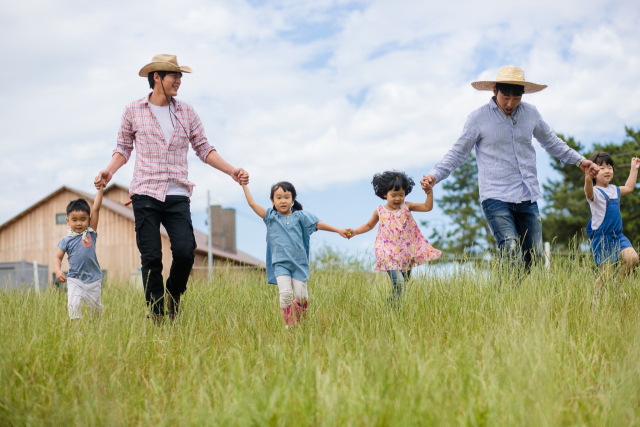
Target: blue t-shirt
[(83, 263), (288, 244)]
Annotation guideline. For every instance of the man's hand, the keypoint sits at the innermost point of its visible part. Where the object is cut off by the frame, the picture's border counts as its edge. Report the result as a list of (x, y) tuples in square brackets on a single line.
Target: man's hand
[(590, 168), (60, 277), (427, 183), (635, 163), (103, 178), (240, 176)]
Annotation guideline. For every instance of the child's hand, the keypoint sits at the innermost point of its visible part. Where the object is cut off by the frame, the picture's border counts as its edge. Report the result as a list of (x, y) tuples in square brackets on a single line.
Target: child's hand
[(243, 178), (343, 232), (99, 182), (60, 277), (635, 163), (350, 233)]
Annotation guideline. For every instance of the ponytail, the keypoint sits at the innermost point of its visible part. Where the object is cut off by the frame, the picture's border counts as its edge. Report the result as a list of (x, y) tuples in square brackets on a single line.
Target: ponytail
[(296, 206)]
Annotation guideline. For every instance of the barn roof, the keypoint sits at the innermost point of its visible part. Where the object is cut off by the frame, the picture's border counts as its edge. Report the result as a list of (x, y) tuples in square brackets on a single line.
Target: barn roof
[(201, 238)]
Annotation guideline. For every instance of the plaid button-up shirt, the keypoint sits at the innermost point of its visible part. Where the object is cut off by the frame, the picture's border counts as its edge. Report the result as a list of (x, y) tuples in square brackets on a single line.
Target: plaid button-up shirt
[(504, 152), (158, 162)]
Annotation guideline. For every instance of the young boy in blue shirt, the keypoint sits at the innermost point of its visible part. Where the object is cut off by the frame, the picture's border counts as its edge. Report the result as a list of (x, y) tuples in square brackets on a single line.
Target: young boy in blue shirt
[(84, 280)]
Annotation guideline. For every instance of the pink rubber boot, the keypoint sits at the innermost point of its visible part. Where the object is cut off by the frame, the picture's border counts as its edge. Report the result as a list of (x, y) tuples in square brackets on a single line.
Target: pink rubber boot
[(300, 310), (288, 315)]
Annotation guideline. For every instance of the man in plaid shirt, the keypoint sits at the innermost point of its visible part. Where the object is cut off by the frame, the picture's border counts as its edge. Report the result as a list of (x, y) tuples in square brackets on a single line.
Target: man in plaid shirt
[(161, 128)]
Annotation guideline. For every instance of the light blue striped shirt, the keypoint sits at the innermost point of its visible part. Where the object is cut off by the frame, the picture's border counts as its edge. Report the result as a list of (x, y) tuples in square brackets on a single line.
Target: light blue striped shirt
[(504, 151)]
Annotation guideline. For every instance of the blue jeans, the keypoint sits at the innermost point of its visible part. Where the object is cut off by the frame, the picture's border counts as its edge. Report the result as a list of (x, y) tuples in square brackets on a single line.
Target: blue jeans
[(517, 229), (397, 290)]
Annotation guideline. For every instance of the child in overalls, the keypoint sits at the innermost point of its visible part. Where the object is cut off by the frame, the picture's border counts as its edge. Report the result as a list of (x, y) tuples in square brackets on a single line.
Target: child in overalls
[(608, 243)]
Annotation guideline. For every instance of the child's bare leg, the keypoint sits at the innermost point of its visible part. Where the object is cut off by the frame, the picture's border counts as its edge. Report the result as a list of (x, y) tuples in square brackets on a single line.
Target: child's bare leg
[(629, 259), (605, 274)]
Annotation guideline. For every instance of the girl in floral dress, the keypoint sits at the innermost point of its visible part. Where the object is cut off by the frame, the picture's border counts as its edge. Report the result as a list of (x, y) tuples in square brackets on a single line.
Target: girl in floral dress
[(400, 245)]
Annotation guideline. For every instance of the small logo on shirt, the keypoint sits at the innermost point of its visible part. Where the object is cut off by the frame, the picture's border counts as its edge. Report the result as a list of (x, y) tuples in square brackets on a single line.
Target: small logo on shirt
[(87, 243)]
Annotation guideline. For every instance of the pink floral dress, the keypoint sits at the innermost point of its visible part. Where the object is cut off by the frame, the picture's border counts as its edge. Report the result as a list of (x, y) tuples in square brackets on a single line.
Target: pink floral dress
[(399, 244)]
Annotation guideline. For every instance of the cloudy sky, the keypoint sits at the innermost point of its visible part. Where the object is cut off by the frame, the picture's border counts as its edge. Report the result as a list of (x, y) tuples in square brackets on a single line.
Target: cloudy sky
[(320, 93)]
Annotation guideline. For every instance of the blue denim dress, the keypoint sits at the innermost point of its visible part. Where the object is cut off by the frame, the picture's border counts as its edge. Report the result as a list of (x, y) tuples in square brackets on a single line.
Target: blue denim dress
[(608, 241), (288, 244)]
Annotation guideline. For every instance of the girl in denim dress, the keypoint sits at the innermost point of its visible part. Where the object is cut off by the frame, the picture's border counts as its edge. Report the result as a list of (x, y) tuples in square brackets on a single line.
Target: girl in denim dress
[(288, 231)]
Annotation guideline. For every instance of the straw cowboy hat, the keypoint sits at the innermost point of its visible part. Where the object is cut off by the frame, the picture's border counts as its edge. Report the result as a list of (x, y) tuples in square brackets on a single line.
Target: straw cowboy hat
[(164, 63), (512, 75)]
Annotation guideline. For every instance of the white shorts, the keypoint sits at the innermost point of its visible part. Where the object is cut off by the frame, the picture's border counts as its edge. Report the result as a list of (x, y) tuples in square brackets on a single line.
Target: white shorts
[(79, 292)]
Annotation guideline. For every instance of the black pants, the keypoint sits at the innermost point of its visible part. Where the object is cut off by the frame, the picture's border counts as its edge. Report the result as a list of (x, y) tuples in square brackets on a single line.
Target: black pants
[(175, 215)]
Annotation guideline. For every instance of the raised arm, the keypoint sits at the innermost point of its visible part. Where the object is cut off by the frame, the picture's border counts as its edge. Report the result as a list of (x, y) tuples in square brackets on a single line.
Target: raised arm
[(323, 226), (588, 187), (57, 266), (630, 185), (262, 212), (367, 226), (422, 207), (97, 203)]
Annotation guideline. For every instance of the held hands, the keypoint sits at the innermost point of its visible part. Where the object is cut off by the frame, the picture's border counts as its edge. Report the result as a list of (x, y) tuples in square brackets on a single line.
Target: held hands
[(240, 176), (60, 277), (103, 178), (589, 168), (99, 182), (344, 232), (350, 232), (427, 183), (635, 163)]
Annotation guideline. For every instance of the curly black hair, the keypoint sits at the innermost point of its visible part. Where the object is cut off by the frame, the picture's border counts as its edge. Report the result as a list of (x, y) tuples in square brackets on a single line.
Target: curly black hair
[(391, 180)]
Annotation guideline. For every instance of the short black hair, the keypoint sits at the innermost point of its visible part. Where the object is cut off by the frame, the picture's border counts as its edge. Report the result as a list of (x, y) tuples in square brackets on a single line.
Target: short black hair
[(391, 180), (509, 89), (152, 82), (78, 205), (601, 158)]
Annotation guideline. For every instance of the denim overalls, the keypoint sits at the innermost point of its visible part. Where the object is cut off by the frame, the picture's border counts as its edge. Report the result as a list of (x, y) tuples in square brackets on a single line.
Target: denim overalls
[(608, 241)]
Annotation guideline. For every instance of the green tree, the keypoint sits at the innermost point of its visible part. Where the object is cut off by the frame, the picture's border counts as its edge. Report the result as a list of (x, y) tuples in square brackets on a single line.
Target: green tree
[(567, 211), (461, 203)]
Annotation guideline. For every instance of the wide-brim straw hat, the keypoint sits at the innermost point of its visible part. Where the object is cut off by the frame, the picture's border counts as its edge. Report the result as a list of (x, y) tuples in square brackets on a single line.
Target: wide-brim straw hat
[(512, 75), (164, 63)]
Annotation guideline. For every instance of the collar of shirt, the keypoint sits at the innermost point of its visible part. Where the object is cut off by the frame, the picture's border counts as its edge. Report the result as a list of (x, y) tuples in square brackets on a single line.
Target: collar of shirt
[(176, 104)]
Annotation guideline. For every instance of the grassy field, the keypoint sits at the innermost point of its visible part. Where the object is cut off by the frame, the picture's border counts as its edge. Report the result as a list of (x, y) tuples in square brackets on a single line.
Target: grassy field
[(461, 351)]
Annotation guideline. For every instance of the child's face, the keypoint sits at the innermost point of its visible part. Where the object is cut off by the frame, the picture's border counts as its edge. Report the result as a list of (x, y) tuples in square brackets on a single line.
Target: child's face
[(282, 200), (605, 175), (78, 221), (395, 198)]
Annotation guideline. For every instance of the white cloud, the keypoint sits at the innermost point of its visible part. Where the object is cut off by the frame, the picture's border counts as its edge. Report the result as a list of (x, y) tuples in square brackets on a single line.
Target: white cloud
[(267, 108)]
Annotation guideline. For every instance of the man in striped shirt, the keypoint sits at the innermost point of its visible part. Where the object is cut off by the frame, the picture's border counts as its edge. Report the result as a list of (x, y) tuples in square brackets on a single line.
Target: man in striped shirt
[(162, 128), (501, 133)]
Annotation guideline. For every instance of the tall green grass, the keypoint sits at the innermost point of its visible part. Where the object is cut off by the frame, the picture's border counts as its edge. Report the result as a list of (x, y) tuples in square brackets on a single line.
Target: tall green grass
[(462, 350)]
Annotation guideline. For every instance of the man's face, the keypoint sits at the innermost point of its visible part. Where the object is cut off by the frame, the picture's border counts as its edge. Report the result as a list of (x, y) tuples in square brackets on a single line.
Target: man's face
[(507, 104), (170, 83)]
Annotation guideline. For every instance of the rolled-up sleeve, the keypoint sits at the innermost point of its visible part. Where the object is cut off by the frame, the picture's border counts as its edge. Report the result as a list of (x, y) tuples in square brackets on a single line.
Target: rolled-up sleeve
[(198, 139), (458, 153), (553, 145), (126, 136)]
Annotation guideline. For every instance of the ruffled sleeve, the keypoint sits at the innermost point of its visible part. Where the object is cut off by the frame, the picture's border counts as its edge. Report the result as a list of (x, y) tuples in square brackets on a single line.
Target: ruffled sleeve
[(308, 221), (267, 217)]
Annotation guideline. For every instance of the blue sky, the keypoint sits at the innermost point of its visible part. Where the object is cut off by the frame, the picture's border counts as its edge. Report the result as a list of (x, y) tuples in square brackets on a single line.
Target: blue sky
[(320, 93)]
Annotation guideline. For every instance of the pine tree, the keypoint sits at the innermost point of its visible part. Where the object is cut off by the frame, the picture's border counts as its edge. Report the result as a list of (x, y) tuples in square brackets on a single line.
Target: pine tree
[(470, 232)]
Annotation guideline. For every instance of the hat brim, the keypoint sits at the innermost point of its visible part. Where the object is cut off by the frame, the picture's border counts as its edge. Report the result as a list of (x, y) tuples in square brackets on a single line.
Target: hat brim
[(163, 66), (489, 85)]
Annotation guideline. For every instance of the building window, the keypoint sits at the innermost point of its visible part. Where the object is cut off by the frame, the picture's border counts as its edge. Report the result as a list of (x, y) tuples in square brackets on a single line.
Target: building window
[(61, 218)]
